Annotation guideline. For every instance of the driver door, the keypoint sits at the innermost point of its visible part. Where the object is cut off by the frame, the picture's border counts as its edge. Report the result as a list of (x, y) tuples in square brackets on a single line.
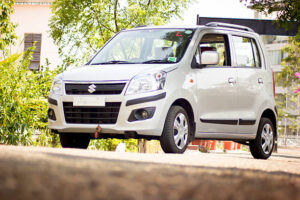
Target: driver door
[(216, 88)]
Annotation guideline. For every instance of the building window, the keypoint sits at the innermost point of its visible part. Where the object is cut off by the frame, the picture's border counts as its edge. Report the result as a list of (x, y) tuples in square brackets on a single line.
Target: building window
[(30, 39)]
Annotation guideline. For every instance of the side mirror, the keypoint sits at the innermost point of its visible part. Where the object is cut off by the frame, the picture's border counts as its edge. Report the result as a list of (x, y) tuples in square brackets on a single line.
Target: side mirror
[(210, 58)]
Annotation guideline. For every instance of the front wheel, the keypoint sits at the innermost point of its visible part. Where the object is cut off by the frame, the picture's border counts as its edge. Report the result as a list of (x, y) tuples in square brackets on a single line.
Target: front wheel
[(176, 132), (74, 140), (262, 146)]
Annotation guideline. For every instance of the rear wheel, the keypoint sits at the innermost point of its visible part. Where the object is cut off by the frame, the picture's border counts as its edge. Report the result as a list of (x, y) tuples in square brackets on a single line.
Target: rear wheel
[(262, 146), (175, 136), (74, 140)]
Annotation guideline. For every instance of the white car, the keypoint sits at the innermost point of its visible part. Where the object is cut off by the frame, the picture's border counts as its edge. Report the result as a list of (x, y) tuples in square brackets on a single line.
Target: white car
[(175, 84)]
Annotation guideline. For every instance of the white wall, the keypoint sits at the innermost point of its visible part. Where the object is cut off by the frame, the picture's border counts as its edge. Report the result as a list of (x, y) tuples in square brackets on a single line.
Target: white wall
[(35, 19)]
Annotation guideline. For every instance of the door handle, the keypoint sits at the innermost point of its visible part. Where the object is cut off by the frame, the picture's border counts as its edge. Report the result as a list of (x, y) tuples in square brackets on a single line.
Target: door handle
[(260, 81), (231, 80)]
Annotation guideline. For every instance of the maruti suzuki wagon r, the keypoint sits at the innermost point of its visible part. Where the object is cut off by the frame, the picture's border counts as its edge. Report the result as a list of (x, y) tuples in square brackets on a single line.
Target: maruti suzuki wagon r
[(174, 84)]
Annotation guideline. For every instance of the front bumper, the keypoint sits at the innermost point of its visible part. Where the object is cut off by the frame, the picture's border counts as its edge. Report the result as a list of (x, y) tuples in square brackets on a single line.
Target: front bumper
[(149, 127)]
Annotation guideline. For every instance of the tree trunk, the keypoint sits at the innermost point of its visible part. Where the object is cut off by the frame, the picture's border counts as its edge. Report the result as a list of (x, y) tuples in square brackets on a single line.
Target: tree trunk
[(142, 145), (115, 16)]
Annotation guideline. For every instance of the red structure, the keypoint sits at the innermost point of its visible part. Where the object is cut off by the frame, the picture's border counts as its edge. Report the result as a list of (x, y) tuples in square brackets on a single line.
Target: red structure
[(211, 145)]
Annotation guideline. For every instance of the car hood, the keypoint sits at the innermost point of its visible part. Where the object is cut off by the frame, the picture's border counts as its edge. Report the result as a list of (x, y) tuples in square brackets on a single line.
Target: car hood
[(114, 72)]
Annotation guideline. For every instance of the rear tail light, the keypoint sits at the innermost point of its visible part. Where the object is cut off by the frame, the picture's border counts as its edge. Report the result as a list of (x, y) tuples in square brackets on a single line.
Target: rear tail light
[(273, 83)]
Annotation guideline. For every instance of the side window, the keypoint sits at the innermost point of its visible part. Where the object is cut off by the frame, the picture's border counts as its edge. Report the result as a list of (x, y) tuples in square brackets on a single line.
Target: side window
[(246, 51), (219, 43)]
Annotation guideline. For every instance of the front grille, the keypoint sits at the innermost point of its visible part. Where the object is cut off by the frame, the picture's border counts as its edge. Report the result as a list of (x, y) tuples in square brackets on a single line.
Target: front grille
[(83, 89), (91, 115)]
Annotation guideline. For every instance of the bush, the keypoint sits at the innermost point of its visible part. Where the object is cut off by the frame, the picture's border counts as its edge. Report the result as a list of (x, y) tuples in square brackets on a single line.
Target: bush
[(23, 100), (111, 144)]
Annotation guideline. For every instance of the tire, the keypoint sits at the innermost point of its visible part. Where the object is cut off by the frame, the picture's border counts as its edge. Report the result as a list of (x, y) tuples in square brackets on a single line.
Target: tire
[(177, 127), (262, 146), (74, 140)]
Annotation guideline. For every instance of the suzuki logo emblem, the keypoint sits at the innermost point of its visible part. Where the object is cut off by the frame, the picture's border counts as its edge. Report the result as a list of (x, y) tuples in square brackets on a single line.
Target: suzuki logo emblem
[(92, 88)]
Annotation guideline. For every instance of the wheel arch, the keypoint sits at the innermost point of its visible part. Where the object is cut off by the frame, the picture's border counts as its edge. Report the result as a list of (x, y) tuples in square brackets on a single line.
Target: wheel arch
[(268, 113), (189, 109)]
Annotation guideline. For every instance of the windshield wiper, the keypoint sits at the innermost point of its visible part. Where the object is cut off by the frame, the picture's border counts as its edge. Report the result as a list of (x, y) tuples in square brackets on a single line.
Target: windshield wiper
[(113, 62), (127, 62), (156, 61)]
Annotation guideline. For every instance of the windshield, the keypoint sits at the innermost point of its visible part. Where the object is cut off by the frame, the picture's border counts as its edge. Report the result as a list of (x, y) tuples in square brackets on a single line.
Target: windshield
[(145, 46)]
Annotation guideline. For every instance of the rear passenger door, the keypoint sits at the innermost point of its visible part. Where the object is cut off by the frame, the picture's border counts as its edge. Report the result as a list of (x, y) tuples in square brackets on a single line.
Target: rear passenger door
[(250, 84)]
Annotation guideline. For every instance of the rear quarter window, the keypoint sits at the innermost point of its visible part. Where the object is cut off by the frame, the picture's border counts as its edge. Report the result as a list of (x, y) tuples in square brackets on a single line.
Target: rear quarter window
[(246, 52)]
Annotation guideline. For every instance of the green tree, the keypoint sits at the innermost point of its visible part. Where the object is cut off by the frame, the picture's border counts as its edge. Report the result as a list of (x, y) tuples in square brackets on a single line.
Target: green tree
[(81, 27), (291, 63), (7, 33), (287, 79), (23, 102), (287, 11)]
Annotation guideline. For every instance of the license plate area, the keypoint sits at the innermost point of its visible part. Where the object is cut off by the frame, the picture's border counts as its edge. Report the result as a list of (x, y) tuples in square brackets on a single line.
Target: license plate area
[(89, 101)]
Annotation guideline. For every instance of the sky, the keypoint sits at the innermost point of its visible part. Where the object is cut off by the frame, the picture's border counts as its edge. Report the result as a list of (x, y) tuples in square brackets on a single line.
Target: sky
[(213, 8)]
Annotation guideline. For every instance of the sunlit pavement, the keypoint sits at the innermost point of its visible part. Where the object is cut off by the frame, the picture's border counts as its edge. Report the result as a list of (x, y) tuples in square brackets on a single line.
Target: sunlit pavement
[(47, 173)]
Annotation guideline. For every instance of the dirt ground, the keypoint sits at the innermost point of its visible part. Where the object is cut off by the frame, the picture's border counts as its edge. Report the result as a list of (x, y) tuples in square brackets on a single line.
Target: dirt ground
[(45, 173)]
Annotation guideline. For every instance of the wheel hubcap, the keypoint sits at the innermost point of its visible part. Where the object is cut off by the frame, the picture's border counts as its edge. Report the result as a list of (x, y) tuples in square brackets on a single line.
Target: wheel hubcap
[(180, 130), (267, 138)]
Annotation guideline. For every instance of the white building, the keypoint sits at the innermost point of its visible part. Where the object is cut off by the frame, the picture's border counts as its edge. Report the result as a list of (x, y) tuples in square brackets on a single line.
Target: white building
[(32, 18)]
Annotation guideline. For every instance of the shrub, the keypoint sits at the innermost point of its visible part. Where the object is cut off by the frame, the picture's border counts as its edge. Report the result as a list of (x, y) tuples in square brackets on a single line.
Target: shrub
[(23, 100), (111, 144)]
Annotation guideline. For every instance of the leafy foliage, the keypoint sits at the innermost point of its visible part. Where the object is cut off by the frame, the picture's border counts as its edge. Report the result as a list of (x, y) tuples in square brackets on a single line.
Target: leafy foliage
[(287, 11), (287, 79), (23, 99), (111, 144), (7, 34), (81, 27), (291, 63)]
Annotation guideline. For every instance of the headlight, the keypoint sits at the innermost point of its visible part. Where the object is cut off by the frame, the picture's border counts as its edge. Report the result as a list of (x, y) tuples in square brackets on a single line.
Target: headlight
[(147, 83), (57, 86)]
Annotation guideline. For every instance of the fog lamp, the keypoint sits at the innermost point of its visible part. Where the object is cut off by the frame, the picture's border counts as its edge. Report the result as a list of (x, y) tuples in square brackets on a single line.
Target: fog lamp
[(144, 114), (141, 114)]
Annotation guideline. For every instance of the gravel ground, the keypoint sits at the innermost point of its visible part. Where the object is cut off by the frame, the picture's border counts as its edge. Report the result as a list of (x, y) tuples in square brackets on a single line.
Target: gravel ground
[(45, 173)]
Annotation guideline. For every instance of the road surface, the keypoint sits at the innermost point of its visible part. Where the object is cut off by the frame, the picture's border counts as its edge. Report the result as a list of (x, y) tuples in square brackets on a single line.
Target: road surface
[(47, 173)]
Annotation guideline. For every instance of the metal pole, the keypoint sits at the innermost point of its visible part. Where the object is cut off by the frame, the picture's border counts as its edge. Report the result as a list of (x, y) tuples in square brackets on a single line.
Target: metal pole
[(285, 129), (298, 117), (298, 120), (285, 115)]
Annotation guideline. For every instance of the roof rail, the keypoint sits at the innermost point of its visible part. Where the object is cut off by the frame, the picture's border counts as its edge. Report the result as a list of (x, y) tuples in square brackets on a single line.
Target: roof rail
[(226, 25)]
